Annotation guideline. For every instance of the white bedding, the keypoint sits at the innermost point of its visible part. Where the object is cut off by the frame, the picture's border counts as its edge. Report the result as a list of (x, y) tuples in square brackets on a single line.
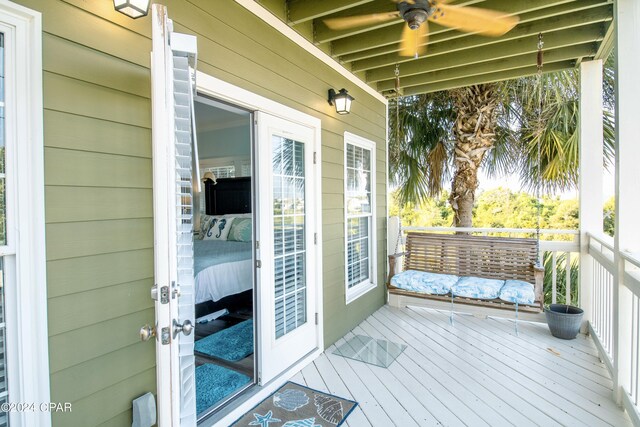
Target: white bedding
[(222, 268), (219, 281)]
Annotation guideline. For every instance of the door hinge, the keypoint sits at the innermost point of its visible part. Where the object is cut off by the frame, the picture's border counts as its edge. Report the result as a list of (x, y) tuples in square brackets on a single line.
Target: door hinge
[(317, 318), (257, 244), (258, 263), (315, 238), (315, 157)]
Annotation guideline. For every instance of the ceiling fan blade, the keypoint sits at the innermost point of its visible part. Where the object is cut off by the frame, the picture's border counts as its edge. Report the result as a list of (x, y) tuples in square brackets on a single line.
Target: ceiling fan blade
[(359, 21), (414, 42), (474, 20)]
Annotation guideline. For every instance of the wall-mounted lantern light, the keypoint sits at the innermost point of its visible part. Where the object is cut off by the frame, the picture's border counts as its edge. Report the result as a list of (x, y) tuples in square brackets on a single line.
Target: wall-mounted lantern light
[(132, 8), (342, 101)]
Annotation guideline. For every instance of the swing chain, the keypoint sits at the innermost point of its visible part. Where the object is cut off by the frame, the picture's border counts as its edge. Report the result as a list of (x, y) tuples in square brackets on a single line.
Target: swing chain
[(397, 74), (540, 64)]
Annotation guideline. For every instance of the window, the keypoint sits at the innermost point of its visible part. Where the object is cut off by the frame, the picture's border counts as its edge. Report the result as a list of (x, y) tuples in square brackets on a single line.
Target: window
[(24, 364), (221, 171), (360, 242)]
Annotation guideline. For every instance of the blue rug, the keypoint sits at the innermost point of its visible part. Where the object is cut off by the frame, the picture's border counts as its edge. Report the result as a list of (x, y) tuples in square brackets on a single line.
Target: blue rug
[(214, 383), (232, 344)]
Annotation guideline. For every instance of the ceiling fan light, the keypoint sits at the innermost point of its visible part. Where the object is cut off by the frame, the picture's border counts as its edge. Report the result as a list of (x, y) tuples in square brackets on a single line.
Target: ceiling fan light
[(415, 18)]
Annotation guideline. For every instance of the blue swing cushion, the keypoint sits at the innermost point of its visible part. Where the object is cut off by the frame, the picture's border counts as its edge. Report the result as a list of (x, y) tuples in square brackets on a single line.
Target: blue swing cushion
[(424, 282), (517, 291), (477, 288)]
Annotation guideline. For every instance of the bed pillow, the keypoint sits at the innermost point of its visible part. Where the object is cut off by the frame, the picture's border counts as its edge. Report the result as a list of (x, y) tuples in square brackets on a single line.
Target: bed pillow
[(218, 229), (424, 282), (477, 288), (206, 219), (204, 225), (240, 230), (518, 291)]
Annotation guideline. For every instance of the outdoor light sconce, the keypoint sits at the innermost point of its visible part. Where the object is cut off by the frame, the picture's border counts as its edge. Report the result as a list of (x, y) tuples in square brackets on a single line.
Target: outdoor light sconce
[(132, 8), (342, 101)]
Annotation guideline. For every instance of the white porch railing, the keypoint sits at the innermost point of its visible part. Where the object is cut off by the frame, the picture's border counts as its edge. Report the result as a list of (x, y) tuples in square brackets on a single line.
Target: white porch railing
[(615, 316), (615, 320), (602, 299), (560, 254), (632, 282)]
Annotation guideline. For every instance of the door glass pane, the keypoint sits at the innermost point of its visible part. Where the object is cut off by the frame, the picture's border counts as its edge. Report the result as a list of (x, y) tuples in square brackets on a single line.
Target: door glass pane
[(289, 235)]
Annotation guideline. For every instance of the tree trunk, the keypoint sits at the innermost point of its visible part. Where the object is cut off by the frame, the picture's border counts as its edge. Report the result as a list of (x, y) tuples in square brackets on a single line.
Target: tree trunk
[(474, 131)]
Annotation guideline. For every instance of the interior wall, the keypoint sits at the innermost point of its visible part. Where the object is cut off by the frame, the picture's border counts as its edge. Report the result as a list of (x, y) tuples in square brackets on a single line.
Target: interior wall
[(98, 178), (228, 142)]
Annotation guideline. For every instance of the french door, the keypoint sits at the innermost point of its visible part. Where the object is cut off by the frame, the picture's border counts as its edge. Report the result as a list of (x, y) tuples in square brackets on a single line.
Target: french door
[(287, 244), (172, 72), (286, 231)]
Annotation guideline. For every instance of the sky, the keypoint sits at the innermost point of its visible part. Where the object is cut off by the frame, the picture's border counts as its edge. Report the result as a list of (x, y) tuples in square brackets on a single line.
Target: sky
[(513, 183)]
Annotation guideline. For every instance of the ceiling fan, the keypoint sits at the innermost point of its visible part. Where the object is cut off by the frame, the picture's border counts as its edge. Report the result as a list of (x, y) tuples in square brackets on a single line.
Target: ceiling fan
[(417, 13)]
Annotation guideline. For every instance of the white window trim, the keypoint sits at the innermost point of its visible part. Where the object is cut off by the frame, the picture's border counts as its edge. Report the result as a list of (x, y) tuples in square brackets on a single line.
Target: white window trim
[(362, 288), (26, 303)]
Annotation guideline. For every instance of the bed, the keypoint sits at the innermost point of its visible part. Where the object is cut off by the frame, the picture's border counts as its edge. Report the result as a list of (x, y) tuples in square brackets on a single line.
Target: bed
[(223, 268)]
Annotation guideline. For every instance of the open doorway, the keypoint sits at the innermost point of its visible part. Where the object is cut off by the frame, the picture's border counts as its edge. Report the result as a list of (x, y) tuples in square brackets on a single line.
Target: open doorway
[(224, 256)]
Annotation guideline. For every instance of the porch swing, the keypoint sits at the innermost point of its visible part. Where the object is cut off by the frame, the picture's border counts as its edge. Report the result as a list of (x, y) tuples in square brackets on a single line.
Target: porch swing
[(501, 273)]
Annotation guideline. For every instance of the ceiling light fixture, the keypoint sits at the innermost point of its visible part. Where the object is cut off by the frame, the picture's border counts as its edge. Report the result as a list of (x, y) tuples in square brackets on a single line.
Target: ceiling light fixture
[(132, 8)]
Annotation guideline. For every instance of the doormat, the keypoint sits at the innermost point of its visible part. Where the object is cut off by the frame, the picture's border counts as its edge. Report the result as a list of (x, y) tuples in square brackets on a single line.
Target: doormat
[(214, 383), (294, 405), (231, 344)]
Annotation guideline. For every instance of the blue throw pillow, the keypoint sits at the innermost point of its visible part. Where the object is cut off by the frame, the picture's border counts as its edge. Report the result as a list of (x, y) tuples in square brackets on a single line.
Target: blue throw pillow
[(477, 287), (518, 291), (240, 230), (424, 282)]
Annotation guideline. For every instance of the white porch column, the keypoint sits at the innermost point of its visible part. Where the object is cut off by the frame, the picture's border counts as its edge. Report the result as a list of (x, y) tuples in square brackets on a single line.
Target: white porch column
[(627, 234), (591, 170)]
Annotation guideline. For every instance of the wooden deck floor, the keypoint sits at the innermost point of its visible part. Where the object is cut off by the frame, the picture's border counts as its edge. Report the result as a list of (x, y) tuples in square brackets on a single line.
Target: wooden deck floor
[(474, 373)]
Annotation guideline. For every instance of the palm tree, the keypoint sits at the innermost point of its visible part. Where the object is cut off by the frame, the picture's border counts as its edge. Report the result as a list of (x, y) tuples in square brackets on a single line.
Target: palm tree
[(450, 135)]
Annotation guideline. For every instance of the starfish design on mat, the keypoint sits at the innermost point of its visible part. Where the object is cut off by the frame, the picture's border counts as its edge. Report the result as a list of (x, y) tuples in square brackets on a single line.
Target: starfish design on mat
[(264, 420)]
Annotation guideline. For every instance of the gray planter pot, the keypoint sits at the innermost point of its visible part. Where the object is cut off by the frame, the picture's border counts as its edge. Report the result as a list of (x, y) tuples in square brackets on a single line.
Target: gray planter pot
[(564, 320)]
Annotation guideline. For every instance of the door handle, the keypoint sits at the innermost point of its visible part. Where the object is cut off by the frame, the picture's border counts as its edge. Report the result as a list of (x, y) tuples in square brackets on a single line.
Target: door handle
[(185, 328), (147, 332)]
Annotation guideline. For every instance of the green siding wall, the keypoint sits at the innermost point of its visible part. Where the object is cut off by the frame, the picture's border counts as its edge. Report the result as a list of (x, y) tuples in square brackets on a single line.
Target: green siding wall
[(99, 219)]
